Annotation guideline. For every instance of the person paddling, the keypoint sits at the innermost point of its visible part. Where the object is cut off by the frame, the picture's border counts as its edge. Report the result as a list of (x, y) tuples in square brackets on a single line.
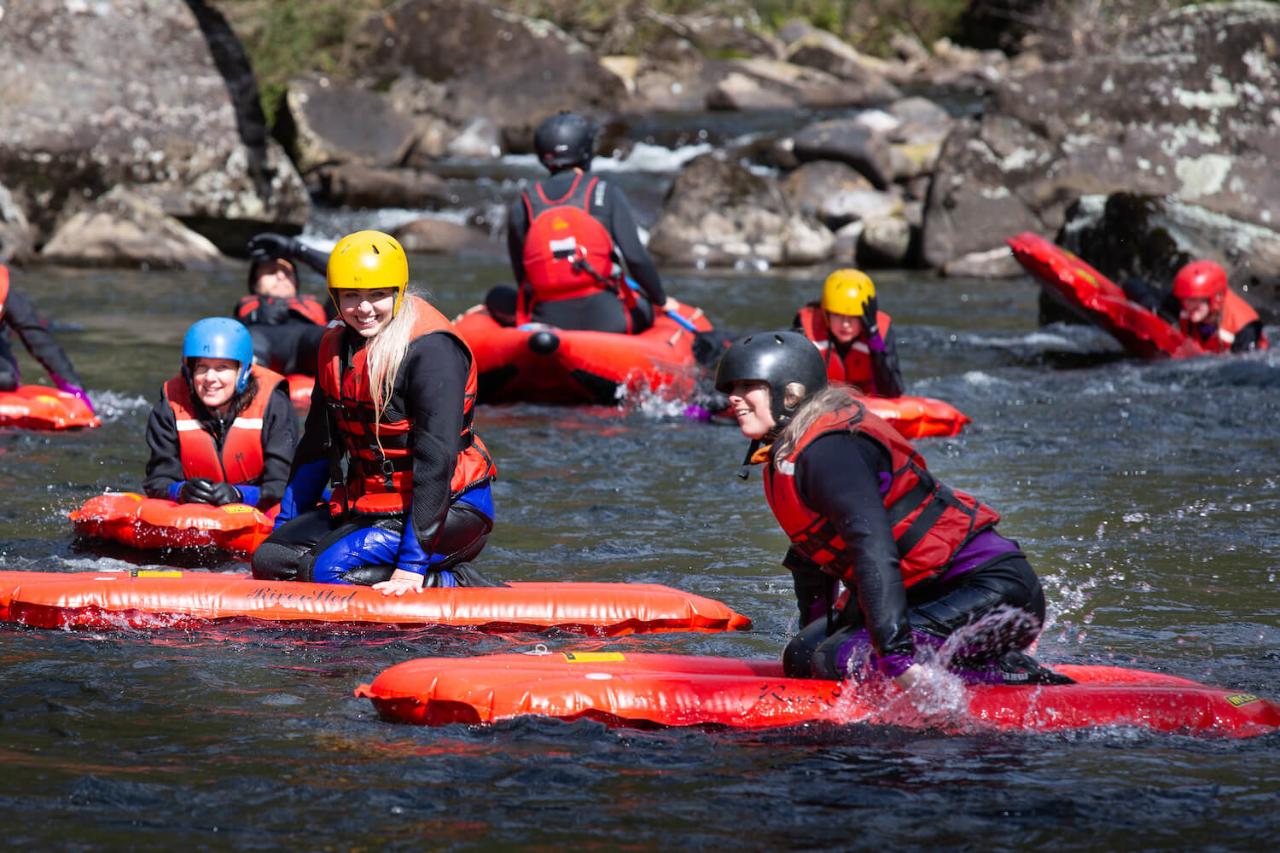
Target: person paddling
[(19, 315), (854, 337), (393, 401), (920, 562), (224, 430), (574, 244), (285, 323)]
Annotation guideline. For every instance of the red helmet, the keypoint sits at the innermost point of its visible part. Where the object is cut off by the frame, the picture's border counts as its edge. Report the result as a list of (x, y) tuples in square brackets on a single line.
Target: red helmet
[(1200, 280)]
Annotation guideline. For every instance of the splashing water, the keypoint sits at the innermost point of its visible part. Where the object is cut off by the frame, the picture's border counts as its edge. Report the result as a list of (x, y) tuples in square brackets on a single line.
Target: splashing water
[(112, 406)]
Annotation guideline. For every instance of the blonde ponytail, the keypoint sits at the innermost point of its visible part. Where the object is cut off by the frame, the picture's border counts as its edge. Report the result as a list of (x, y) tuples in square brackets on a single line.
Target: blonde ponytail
[(827, 400), (384, 353)]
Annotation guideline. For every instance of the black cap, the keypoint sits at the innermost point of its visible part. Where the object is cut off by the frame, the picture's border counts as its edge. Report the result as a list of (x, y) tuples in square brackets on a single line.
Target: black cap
[(565, 140)]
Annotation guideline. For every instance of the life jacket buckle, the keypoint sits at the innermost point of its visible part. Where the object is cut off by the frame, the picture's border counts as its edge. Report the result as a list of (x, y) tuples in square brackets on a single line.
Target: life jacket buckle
[(388, 474)]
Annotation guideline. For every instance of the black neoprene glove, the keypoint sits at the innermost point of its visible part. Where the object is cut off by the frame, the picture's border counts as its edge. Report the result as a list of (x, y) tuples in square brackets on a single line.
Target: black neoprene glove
[(869, 317), (274, 245), (198, 490)]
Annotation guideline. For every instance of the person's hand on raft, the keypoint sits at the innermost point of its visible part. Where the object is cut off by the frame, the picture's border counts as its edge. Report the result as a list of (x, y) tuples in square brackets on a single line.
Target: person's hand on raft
[(400, 582), (671, 306)]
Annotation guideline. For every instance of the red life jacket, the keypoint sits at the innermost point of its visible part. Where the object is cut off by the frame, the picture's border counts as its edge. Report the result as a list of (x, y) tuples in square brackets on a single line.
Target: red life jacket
[(930, 521), (568, 253), (855, 367), (380, 478), (241, 458), (304, 305), (1236, 314), (4, 287)]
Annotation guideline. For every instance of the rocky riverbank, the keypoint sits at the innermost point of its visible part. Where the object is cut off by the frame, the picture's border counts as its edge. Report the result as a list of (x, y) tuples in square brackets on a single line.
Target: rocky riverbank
[(142, 139)]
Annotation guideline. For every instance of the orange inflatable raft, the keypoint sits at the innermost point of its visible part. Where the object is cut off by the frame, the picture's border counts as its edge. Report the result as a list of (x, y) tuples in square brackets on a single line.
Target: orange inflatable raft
[(542, 364), (43, 408), (676, 690), (154, 523), (1104, 303), (918, 417), (169, 599)]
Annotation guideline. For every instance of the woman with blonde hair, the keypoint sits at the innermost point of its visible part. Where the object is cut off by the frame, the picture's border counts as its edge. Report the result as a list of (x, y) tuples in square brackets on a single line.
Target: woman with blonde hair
[(393, 402), (920, 562)]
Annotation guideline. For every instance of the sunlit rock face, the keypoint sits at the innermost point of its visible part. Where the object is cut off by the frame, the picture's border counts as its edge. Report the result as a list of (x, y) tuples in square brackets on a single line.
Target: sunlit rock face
[(1190, 108)]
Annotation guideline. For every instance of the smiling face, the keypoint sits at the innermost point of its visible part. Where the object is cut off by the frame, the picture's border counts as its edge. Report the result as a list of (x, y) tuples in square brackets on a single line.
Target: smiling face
[(1197, 310), (366, 311), (844, 328), (214, 381), (749, 401)]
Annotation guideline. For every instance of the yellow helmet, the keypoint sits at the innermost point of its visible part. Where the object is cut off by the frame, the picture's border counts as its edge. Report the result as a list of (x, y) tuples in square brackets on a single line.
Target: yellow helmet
[(847, 291), (368, 260)]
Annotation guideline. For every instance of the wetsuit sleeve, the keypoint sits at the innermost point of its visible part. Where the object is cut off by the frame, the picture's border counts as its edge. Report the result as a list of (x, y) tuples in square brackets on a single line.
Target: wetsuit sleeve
[(310, 469), (314, 258), (1249, 337), (279, 438), (164, 466), (21, 316), (838, 476), (617, 216), (517, 228), (885, 368), (434, 374)]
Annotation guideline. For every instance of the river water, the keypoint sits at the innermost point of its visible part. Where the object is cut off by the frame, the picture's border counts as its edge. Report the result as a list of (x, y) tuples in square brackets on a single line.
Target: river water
[(1145, 494)]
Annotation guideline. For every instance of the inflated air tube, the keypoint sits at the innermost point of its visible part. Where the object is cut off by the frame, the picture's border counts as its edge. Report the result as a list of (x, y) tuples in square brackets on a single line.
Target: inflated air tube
[(917, 417), (676, 690), (1099, 300), (300, 387), (537, 364), (40, 407), (153, 523), (181, 599)]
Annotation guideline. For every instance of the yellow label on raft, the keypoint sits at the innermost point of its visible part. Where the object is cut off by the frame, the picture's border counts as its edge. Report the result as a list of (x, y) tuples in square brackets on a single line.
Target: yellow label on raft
[(236, 508), (157, 573), (593, 657), (1239, 699)]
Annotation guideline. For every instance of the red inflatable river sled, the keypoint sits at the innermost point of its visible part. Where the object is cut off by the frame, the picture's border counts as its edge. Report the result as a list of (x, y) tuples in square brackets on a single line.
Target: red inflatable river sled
[(649, 690), (40, 407), (155, 524), (542, 364), (178, 599), (1099, 300)]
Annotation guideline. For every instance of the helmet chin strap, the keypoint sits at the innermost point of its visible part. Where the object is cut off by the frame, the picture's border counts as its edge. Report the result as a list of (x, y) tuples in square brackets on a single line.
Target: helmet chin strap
[(744, 472)]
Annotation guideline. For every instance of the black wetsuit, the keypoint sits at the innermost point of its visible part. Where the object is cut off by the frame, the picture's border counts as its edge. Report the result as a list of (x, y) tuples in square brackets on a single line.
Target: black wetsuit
[(279, 431), (429, 390), (602, 311), (841, 476), (20, 316)]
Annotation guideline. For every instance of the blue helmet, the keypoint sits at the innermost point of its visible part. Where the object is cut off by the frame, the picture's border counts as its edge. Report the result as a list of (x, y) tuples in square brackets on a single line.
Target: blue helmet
[(219, 337)]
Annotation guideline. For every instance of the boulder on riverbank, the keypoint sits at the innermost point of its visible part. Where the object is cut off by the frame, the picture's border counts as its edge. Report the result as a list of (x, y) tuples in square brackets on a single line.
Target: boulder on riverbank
[(1188, 108), (442, 237), (153, 95), (121, 229), (719, 214), (488, 62)]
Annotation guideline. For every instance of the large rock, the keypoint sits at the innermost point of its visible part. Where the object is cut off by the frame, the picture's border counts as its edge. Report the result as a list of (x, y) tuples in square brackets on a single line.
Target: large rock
[(774, 84), (1190, 107), (16, 238), (318, 125), (1151, 237), (442, 237), (847, 141), (818, 189), (121, 229), (509, 68), (363, 186), (155, 95), (825, 51), (717, 213)]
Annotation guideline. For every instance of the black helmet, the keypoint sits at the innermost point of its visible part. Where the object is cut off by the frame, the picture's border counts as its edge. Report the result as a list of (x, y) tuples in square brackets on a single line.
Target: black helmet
[(565, 140), (779, 359)]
